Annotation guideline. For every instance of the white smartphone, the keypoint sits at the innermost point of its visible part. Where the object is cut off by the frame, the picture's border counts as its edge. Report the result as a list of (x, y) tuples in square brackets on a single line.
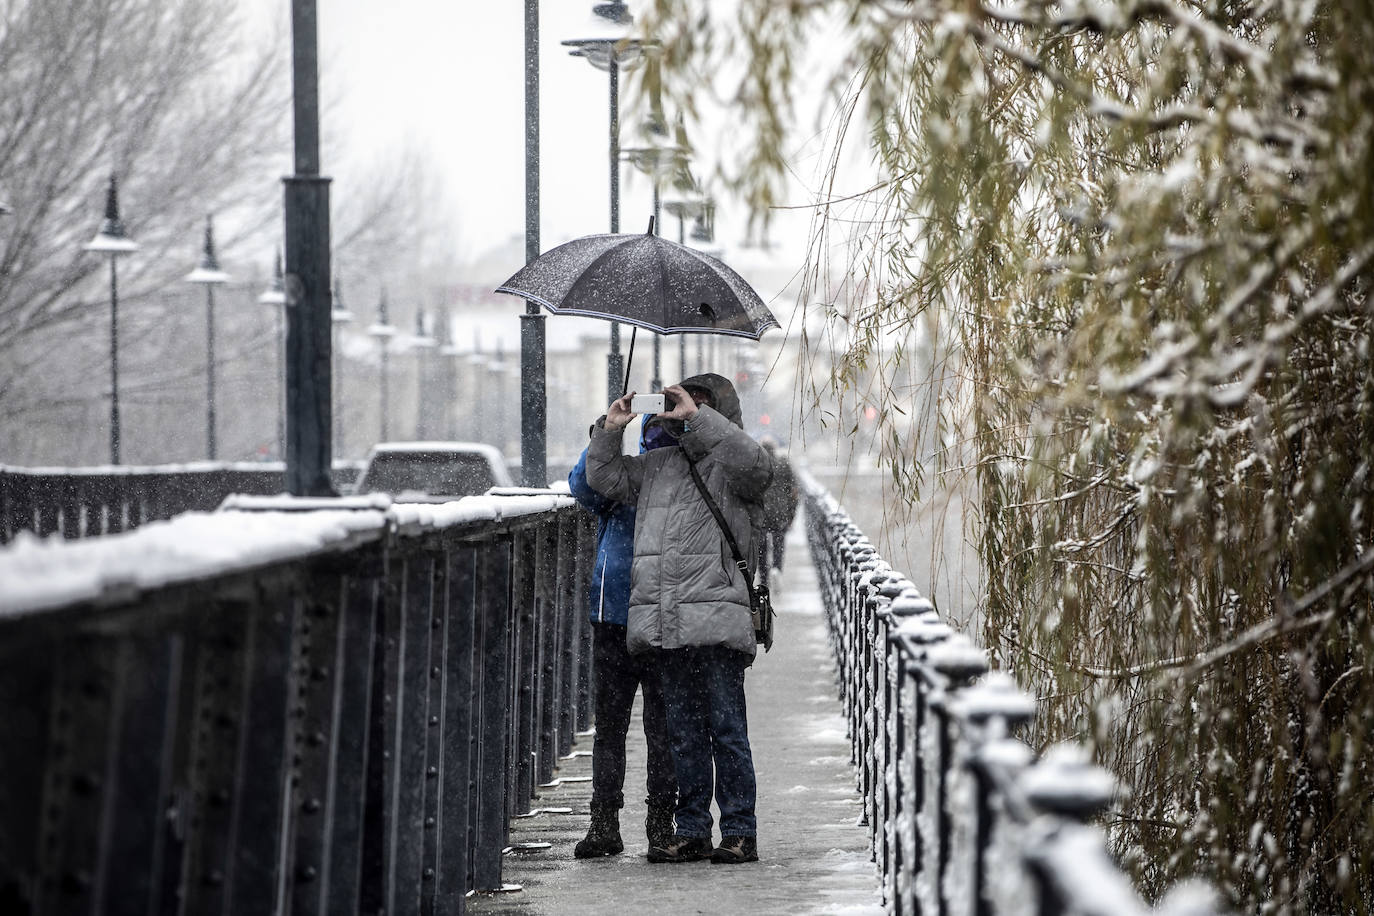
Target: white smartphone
[(647, 403)]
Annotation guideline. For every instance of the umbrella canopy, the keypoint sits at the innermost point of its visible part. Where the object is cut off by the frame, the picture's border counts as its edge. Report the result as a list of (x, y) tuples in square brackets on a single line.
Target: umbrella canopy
[(646, 281)]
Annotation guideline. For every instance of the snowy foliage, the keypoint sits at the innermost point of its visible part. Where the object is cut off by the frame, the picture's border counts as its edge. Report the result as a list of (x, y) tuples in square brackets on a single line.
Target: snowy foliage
[(1140, 237)]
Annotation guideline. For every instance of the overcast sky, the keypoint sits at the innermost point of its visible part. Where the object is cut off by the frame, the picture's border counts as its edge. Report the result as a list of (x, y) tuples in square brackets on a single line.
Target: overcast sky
[(447, 76)]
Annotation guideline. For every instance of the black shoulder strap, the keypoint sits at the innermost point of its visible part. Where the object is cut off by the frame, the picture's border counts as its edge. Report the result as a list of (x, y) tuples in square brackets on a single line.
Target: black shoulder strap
[(720, 520)]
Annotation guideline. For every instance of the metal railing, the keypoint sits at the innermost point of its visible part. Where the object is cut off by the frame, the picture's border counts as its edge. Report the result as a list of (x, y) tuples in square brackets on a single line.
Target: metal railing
[(341, 718), (76, 502), (961, 817)]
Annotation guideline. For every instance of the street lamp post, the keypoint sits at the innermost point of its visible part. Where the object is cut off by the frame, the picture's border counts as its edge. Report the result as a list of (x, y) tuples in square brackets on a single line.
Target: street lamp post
[(703, 232), (450, 373), (658, 161), (479, 419), (610, 54), (306, 209), (683, 208), (338, 315), (382, 331), (422, 343), (208, 274), (112, 240), (534, 408), (275, 296), (497, 372)]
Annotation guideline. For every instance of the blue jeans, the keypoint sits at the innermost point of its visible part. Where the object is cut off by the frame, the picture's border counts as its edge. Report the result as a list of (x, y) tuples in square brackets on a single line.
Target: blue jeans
[(703, 695)]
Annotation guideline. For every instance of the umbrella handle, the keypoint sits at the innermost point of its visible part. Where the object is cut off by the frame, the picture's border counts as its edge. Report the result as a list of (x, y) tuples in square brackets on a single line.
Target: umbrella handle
[(629, 360)]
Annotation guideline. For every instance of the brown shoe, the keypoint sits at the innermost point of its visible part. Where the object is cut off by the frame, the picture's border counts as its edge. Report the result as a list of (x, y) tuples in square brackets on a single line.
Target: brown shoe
[(736, 849), (682, 849)]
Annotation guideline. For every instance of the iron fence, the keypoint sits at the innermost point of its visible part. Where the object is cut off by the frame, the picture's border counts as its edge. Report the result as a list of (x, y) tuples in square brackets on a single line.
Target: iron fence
[(342, 721), (77, 502), (963, 820)]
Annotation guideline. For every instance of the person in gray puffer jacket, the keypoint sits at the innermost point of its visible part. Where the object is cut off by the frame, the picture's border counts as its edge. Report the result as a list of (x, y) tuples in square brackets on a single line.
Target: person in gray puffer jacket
[(690, 604)]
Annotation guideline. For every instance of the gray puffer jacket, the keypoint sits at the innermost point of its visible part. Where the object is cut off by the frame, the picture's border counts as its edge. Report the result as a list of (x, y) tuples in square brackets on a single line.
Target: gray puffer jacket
[(685, 588)]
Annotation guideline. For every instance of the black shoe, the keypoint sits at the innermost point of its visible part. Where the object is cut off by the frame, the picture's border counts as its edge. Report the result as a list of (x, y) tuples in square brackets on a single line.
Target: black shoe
[(736, 849), (682, 849), (603, 837), (658, 823)]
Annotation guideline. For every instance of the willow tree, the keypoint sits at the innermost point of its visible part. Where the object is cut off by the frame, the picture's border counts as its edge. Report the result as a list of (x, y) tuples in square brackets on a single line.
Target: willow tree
[(1142, 233)]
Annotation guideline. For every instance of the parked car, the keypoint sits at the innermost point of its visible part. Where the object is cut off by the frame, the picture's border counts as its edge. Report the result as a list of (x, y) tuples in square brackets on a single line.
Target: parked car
[(433, 471)]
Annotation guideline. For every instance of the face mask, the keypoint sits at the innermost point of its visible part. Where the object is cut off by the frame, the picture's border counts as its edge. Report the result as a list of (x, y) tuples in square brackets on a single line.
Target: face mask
[(658, 436)]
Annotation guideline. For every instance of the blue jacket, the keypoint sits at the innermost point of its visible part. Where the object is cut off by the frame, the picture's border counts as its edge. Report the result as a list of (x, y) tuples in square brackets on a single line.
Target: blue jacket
[(609, 601)]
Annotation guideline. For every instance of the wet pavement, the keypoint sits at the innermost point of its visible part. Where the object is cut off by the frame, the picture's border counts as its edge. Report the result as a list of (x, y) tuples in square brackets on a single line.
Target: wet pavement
[(814, 855)]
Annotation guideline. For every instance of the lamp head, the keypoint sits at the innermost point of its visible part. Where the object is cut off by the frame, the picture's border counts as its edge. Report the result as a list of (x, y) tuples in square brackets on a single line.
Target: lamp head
[(208, 271), (616, 11), (111, 238), (338, 312), (275, 294)]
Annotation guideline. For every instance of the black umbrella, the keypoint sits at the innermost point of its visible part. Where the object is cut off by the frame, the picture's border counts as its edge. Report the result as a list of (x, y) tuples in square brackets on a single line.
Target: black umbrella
[(645, 281)]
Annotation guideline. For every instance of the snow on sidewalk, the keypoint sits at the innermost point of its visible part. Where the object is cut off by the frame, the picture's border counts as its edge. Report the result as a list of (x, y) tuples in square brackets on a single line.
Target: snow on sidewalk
[(814, 858)]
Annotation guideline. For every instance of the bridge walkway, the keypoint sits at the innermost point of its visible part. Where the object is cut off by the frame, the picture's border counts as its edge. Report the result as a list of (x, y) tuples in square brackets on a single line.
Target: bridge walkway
[(814, 855)]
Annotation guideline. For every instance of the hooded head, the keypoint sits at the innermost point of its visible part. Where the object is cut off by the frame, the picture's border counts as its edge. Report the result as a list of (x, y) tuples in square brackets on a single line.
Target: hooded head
[(720, 394)]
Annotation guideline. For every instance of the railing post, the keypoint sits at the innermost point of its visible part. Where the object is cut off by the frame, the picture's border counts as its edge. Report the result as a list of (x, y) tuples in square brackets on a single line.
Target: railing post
[(378, 811), (1071, 791), (494, 606), (916, 636), (410, 772), (586, 553), (334, 672), (436, 751), (905, 605), (260, 789), (987, 713), (527, 673), (569, 607), (957, 662), (458, 724), (355, 656), (878, 719)]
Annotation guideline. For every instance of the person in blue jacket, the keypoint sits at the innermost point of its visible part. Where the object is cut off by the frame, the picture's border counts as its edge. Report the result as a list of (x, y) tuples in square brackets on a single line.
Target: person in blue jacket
[(617, 675)]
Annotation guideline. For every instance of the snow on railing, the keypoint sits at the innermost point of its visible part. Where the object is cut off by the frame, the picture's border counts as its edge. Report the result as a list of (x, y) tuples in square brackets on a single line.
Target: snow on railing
[(962, 820), (86, 501), (307, 706)]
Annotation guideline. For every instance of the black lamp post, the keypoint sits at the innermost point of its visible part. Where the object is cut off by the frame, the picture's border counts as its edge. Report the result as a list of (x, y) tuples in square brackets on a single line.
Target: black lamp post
[(309, 440), (422, 343), (480, 425), (658, 162), (338, 315), (111, 240), (683, 208), (449, 375), (275, 296), (534, 408), (609, 54), (208, 274), (382, 330), (703, 233)]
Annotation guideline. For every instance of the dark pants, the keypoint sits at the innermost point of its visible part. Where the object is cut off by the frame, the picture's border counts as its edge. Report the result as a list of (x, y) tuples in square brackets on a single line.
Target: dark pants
[(618, 674), (703, 692), (777, 545), (770, 551)]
